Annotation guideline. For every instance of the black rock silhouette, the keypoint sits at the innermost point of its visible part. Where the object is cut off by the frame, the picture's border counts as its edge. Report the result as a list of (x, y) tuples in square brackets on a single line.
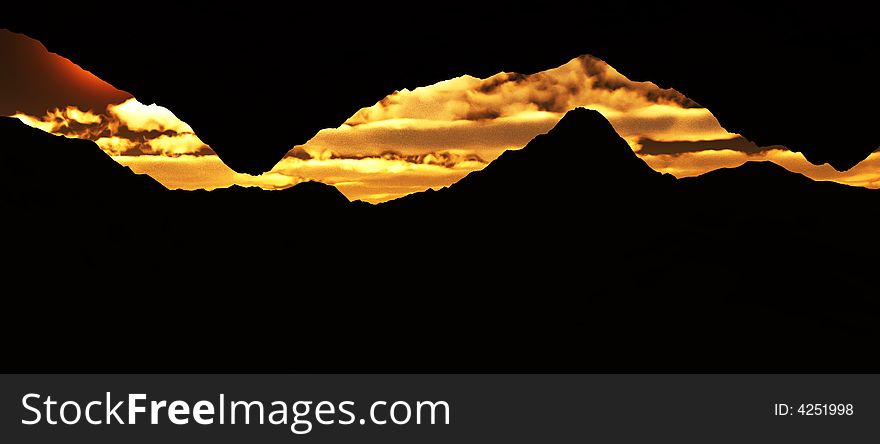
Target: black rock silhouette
[(567, 255)]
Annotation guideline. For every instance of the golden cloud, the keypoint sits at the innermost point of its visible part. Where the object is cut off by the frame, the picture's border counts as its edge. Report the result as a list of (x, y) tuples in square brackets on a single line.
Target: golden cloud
[(116, 146), (59, 119), (128, 128), (585, 81), (176, 145), (139, 117)]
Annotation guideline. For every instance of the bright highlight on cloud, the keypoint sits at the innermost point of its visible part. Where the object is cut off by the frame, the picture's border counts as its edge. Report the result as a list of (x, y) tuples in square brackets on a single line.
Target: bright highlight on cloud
[(432, 136), (139, 117)]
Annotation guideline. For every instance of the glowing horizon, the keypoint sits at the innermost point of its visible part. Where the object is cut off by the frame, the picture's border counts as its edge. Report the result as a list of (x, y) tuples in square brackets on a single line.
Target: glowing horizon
[(433, 136)]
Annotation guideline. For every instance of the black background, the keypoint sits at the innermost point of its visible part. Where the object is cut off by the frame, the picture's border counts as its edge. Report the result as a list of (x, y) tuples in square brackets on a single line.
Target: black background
[(557, 275)]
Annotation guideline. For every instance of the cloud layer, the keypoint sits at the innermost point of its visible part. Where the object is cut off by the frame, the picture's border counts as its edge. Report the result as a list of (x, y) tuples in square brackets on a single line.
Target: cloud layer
[(409, 141), (129, 128)]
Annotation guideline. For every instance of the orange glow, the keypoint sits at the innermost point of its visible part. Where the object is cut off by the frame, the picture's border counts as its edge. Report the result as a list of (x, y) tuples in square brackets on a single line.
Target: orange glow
[(81, 78), (36, 80)]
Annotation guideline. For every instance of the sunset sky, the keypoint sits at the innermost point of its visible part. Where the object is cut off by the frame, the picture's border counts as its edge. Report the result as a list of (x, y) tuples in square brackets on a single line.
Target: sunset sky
[(409, 141)]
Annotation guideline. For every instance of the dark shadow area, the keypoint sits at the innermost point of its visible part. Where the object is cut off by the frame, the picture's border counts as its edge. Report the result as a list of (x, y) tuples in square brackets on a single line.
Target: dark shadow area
[(745, 269), (253, 82), (653, 147)]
